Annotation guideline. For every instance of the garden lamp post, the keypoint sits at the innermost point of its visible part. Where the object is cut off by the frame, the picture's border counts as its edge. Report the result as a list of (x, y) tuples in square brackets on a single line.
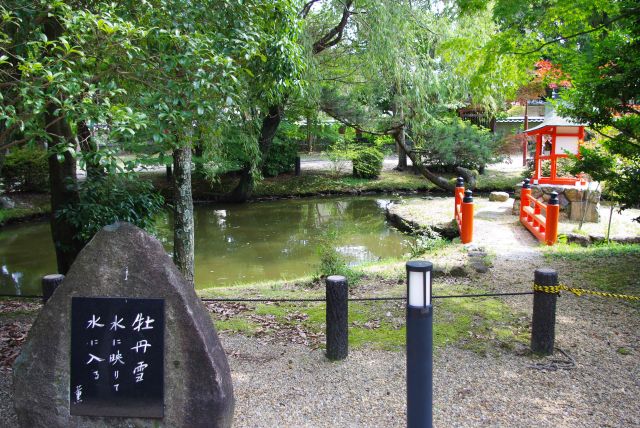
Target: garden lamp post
[(419, 345)]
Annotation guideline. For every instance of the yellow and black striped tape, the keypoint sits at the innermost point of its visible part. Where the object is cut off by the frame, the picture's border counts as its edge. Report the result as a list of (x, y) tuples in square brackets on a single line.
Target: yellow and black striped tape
[(555, 289)]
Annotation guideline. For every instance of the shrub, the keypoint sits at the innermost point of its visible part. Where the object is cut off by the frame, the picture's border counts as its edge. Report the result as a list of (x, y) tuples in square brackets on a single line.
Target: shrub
[(332, 262), (107, 199), (281, 157), (367, 162), (455, 142), (26, 169)]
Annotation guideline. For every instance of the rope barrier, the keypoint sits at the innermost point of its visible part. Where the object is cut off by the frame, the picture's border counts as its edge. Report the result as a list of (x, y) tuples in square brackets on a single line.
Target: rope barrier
[(364, 299), (555, 289), (302, 300)]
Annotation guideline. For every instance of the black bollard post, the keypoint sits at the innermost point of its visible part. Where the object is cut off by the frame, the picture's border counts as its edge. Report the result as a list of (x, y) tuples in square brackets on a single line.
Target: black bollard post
[(49, 285), (169, 172), (544, 313), (297, 167), (337, 317), (419, 345)]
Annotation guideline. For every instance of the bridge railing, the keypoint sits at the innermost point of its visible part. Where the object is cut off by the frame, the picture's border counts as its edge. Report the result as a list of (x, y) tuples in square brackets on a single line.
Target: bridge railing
[(463, 211), (542, 226)]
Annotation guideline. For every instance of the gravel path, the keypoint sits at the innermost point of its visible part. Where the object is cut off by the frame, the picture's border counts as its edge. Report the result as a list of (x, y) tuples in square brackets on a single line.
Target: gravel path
[(290, 385)]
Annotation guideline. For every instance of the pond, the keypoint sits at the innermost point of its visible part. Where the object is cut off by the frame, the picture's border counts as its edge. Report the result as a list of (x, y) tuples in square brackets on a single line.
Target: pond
[(235, 244)]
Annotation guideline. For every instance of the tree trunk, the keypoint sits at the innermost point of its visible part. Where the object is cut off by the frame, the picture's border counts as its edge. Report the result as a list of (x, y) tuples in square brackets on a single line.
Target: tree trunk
[(198, 152), (270, 124), (402, 154), (62, 174), (183, 236), (400, 141), (435, 179), (64, 189), (309, 133)]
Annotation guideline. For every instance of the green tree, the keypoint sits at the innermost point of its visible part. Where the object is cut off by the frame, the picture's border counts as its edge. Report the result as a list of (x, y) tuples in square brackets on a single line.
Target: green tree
[(597, 43), (154, 75), (406, 69)]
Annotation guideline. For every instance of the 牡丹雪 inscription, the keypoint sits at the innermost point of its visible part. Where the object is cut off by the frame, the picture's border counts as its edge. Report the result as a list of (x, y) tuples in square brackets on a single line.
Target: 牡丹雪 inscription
[(117, 357)]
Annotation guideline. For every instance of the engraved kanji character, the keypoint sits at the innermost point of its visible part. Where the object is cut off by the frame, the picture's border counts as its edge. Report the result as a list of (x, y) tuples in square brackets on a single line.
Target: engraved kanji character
[(93, 358), (141, 344), (139, 321), (116, 358), (115, 324), (93, 322)]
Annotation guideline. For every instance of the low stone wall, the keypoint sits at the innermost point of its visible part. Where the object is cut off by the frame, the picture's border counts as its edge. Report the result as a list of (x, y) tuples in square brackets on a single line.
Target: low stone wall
[(573, 200)]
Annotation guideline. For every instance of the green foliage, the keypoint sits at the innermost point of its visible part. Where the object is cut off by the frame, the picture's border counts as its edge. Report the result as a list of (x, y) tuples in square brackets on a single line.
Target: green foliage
[(426, 242), (281, 157), (107, 199), (455, 142), (367, 162), (598, 45), (332, 262), (26, 169), (619, 173)]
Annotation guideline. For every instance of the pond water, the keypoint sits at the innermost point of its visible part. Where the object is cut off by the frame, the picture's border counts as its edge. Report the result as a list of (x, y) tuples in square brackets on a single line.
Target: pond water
[(235, 243)]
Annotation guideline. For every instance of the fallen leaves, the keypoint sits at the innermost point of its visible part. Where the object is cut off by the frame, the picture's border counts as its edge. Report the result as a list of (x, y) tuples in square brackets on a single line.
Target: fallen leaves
[(12, 337), (225, 310)]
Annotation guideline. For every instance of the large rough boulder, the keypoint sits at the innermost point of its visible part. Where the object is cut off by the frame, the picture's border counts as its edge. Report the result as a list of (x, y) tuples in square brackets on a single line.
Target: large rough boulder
[(123, 261), (498, 196), (415, 217)]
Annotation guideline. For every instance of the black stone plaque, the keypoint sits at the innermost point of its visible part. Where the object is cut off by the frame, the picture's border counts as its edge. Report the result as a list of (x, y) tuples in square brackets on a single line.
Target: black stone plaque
[(117, 357)]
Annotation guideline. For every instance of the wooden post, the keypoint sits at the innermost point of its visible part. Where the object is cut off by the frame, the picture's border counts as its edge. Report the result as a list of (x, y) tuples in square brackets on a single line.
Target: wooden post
[(466, 230), (544, 313), (49, 285), (552, 217), (337, 317), (297, 166)]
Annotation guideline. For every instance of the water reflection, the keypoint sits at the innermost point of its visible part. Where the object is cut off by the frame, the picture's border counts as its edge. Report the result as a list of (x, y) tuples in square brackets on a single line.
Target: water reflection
[(235, 243), (26, 255)]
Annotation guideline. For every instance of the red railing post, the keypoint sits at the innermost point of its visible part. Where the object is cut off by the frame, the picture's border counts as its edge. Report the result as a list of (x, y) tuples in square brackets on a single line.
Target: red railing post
[(458, 194), (552, 217), (524, 197), (466, 229)]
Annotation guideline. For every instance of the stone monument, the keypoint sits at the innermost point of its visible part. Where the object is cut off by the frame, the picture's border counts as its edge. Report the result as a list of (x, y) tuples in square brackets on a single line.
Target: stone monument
[(123, 342)]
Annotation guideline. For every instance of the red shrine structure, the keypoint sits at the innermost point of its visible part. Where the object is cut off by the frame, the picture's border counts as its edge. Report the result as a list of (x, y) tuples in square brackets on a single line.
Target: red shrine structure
[(556, 138)]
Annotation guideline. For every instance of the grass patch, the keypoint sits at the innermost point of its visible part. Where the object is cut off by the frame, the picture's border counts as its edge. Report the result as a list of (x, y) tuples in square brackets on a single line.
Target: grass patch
[(23, 213), (613, 268), (493, 180), (481, 325), (237, 325)]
